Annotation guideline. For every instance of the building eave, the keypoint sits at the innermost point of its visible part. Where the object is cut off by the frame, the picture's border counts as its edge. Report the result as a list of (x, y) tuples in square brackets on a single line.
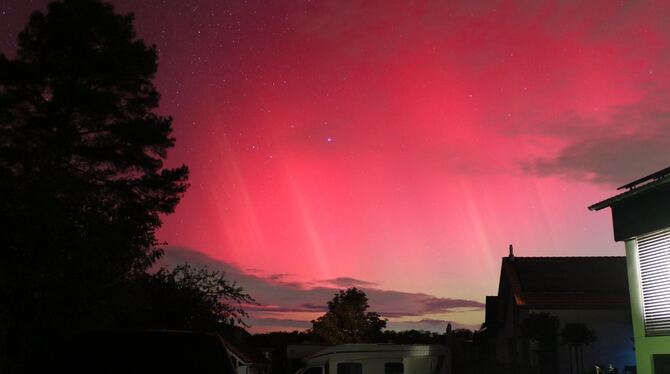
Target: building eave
[(632, 192)]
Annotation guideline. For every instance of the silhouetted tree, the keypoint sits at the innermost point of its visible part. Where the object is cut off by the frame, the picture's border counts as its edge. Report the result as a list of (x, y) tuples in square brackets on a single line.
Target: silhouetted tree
[(183, 298), (82, 181), (543, 329), (347, 320), (576, 336), (412, 337)]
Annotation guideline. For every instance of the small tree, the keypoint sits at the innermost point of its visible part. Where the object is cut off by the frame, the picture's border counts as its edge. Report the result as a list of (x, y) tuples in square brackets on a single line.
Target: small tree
[(347, 320), (576, 336)]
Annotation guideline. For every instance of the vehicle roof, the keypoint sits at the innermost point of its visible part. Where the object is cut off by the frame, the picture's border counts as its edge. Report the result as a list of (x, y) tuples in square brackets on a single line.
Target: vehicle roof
[(406, 350)]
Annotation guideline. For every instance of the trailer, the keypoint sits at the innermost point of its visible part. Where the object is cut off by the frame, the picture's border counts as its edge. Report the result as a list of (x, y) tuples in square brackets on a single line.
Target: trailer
[(379, 359)]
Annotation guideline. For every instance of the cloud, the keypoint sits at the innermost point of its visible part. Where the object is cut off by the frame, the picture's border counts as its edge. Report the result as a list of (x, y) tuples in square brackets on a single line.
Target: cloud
[(442, 304), (279, 276), (280, 301), (284, 322), (319, 307), (429, 321), (345, 282), (391, 303), (632, 142), (279, 309), (306, 307)]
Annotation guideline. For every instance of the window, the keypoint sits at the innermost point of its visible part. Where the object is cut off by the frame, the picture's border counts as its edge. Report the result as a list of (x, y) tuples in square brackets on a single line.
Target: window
[(313, 370), (661, 363), (654, 255), (349, 368), (393, 368)]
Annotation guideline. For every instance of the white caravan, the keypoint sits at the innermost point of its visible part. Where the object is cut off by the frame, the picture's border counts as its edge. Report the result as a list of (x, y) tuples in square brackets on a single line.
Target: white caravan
[(379, 359)]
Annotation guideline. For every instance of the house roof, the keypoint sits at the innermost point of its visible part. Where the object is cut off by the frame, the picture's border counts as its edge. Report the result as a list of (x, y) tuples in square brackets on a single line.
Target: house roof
[(642, 209), (567, 282), (635, 187)]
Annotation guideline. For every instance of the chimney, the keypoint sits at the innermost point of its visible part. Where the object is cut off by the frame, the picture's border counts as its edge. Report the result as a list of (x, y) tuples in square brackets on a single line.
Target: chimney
[(511, 253)]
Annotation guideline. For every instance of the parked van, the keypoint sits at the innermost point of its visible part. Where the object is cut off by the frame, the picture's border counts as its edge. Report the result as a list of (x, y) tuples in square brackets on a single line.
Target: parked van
[(379, 359)]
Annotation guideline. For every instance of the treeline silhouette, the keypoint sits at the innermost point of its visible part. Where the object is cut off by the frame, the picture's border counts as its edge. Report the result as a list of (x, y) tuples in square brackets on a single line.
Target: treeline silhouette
[(279, 342), (83, 188)]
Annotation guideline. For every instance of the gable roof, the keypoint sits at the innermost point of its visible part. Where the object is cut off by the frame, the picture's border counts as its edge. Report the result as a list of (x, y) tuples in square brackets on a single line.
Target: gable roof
[(567, 282), (641, 209), (636, 187)]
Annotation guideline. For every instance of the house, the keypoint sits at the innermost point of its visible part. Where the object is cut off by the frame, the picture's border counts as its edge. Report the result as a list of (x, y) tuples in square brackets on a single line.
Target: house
[(641, 219), (592, 291)]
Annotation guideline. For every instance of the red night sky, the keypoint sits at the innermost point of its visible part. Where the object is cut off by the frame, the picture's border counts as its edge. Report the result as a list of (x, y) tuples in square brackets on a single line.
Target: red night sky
[(399, 146)]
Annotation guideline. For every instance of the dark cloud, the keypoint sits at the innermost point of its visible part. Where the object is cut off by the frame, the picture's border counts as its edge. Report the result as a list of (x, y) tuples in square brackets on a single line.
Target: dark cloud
[(306, 307), (346, 282), (391, 314), (310, 306), (437, 325), (277, 298), (429, 321), (281, 323), (632, 142), (402, 304), (280, 309), (279, 276), (442, 304)]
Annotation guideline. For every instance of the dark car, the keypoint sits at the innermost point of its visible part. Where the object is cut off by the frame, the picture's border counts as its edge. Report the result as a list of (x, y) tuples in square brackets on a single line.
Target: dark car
[(146, 352)]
